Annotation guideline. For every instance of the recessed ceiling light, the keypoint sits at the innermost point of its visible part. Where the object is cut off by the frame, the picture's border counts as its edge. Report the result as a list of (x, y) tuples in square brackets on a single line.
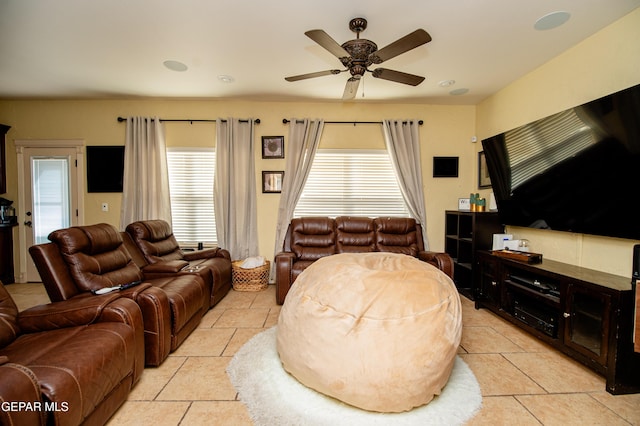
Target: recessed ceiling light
[(551, 20), (446, 83), (458, 92), (175, 66), (226, 78)]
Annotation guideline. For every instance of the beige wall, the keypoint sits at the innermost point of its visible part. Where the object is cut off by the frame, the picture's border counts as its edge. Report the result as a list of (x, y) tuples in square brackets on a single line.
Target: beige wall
[(447, 131), (604, 63)]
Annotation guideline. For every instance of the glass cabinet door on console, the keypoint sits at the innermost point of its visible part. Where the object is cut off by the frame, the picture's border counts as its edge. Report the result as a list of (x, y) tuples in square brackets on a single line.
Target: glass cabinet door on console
[(586, 322)]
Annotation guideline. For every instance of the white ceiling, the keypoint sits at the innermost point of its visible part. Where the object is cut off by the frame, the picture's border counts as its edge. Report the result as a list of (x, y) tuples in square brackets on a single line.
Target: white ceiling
[(116, 48)]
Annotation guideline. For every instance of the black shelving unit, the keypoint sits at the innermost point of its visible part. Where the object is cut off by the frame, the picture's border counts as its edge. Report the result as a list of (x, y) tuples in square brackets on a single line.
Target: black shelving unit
[(466, 233)]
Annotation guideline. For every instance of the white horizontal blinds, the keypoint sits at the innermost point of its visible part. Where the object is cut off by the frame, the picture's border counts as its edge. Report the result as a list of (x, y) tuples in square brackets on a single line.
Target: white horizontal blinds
[(51, 200), (191, 172), (536, 147), (353, 183)]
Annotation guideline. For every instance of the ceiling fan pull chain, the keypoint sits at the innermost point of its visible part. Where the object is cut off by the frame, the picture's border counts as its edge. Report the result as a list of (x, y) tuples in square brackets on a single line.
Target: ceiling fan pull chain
[(363, 86)]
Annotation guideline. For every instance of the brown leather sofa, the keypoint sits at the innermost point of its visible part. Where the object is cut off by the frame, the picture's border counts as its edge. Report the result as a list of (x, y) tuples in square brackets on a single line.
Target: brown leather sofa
[(82, 259), (155, 250), (311, 238), (68, 363)]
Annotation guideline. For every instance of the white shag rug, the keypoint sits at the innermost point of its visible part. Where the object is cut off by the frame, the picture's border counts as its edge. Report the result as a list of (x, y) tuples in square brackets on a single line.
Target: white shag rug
[(274, 397)]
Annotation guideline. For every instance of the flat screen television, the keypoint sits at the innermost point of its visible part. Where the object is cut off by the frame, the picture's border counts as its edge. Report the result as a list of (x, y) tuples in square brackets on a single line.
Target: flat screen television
[(577, 170), (105, 168)]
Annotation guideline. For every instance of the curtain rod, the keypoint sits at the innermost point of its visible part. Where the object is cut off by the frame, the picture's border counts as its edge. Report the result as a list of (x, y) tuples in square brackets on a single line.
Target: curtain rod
[(285, 121), (257, 120)]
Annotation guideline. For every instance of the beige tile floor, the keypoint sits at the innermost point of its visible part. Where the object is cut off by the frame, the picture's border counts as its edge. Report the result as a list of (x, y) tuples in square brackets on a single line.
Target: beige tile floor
[(523, 381)]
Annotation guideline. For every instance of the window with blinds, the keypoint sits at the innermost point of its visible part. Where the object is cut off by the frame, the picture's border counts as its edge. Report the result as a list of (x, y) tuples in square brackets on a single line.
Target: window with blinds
[(51, 199), (191, 172), (351, 183)]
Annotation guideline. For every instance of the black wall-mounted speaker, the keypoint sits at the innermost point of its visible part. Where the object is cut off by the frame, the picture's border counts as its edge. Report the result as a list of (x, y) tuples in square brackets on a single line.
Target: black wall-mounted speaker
[(445, 166)]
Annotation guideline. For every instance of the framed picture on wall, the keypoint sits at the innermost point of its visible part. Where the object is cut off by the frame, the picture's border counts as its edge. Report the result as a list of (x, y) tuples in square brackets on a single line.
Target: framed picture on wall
[(484, 181), (272, 182), (273, 147)]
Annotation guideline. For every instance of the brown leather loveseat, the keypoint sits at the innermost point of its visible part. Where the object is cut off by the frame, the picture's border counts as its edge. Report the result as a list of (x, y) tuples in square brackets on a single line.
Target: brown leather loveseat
[(310, 238), (82, 259), (155, 250), (68, 363)]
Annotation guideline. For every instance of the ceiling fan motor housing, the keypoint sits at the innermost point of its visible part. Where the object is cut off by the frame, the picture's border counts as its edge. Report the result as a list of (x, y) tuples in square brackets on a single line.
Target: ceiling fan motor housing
[(359, 51)]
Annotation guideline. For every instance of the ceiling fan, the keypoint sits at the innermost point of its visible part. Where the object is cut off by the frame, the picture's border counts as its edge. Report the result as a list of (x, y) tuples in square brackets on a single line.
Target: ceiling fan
[(359, 54)]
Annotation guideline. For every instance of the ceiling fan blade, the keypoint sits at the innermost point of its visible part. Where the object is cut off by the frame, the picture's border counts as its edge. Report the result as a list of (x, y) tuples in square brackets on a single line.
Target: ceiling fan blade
[(325, 40), (397, 76), (350, 89), (404, 44), (312, 75)]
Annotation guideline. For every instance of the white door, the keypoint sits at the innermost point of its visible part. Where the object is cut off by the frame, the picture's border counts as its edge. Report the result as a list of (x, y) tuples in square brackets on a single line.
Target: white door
[(50, 189)]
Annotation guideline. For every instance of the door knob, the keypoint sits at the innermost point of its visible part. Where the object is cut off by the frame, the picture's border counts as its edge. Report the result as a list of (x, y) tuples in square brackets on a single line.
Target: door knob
[(28, 223)]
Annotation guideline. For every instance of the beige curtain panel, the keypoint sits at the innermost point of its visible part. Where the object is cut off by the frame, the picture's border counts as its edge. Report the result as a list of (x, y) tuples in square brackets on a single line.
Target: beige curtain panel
[(304, 138), (146, 177), (402, 139), (234, 192)]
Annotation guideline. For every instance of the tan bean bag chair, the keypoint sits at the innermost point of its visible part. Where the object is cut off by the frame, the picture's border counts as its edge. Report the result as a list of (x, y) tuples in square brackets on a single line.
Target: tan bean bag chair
[(378, 331)]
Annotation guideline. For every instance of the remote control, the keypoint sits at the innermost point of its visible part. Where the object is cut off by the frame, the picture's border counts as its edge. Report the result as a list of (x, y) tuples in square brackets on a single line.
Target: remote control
[(126, 286), (105, 290)]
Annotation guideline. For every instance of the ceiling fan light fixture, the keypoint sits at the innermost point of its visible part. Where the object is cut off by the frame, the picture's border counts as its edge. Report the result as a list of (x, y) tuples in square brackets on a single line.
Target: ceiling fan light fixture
[(552, 20), (175, 66)]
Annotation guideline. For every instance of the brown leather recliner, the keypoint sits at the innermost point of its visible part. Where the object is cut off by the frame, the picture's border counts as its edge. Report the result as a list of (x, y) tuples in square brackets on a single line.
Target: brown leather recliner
[(87, 258), (311, 238), (160, 253), (72, 362)]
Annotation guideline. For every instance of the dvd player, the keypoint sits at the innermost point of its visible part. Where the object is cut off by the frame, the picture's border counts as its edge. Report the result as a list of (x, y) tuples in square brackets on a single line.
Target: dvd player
[(536, 284), (538, 318)]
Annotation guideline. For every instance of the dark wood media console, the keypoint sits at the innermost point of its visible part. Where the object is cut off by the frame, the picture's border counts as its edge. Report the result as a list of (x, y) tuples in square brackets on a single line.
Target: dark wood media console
[(584, 313)]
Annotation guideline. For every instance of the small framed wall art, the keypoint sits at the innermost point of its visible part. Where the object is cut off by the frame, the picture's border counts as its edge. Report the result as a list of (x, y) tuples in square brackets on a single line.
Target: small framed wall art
[(484, 181), (272, 182), (273, 147)]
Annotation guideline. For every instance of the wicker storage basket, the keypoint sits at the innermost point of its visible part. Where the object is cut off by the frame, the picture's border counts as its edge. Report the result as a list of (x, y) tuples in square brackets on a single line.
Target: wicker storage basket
[(254, 279)]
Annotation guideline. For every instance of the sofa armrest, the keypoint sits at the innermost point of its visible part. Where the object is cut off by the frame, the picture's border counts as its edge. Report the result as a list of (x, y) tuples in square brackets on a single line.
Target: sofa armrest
[(168, 267), (124, 310), (441, 261), (156, 315), (284, 265), (224, 253), (80, 310), (127, 311), (18, 385), (206, 254)]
